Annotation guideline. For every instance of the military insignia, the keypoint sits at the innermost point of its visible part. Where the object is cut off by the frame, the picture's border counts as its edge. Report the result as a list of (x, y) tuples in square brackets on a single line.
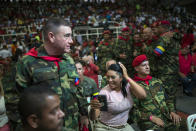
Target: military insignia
[(76, 81), (159, 50)]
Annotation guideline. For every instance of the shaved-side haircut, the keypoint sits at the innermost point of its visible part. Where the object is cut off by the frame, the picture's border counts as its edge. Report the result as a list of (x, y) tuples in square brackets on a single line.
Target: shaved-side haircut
[(52, 25)]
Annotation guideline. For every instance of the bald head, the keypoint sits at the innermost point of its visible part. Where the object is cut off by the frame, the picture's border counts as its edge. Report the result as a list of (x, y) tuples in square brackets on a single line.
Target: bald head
[(110, 62), (147, 30), (147, 33)]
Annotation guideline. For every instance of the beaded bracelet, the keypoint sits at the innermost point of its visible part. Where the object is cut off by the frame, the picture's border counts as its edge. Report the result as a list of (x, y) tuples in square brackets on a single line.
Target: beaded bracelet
[(129, 80), (150, 118)]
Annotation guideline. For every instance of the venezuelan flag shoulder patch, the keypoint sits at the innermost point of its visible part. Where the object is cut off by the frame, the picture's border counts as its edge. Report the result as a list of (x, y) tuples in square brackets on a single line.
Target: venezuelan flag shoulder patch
[(159, 50), (76, 81)]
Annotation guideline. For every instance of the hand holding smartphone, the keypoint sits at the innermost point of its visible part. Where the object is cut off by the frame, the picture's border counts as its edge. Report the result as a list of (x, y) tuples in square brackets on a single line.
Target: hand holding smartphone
[(103, 100)]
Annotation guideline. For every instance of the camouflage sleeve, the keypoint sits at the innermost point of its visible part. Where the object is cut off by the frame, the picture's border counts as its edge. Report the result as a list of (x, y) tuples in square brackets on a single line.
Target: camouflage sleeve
[(137, 114), (95, 89), (22, 75), (82, 103), (160, 48), (81, 99), (11, 97), (103, 82), (168, 98)]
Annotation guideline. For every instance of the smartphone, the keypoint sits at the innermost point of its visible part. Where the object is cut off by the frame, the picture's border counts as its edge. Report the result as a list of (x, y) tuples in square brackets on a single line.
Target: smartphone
[(103, 100)]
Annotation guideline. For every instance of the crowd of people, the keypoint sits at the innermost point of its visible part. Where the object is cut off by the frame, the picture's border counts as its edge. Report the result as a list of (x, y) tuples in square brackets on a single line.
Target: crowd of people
[(51, 81)]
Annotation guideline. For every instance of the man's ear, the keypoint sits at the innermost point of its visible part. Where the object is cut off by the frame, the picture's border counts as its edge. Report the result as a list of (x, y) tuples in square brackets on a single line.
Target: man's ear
[(33, 121), (136, 68), (51, 37)]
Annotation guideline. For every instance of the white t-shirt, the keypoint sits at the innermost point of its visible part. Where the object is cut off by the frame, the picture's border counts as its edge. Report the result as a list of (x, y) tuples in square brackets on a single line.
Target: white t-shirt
[(5, 53), (118, 107), (3, 116)]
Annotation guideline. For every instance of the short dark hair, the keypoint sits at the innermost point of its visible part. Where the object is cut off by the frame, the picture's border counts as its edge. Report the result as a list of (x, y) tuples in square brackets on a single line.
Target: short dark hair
[(52, 25), (81, 62), (32, 101), (117, 68)]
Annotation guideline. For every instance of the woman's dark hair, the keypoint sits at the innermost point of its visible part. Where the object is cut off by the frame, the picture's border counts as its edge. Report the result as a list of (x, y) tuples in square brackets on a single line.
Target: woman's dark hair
[(118, 69)]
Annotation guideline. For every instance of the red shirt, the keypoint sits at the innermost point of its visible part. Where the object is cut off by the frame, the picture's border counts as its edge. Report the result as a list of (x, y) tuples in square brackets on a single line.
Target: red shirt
[(91, 71), (187, 39), (185, 64)]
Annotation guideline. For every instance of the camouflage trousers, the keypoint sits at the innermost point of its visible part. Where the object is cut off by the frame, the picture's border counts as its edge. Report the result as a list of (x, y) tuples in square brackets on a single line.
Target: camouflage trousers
[(168, 126)]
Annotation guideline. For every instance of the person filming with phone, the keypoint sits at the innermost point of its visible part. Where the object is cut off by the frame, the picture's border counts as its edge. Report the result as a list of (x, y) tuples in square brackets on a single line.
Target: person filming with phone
[(115, 101)]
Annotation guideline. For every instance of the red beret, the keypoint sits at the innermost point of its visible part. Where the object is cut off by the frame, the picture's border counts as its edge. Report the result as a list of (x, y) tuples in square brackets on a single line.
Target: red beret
[(156, 23), (164, 22), (185, 45), (138, 60), (126, 29), (106, 32)]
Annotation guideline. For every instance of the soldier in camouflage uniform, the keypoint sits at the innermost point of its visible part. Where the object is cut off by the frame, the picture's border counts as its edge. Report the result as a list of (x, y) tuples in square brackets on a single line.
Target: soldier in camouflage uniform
[(123, 50), (154, 112), (137, 44), (149, 44), (11, 95), (166, 51), (88, 85), (105, 51), (50, 66)]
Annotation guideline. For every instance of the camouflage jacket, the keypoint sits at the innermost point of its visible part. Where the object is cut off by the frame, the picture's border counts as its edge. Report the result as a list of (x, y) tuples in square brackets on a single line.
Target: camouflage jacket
[(167, 54), (123, 47), (88, 87), (36, 71), (103, 82), (156, 102), (11, 95)]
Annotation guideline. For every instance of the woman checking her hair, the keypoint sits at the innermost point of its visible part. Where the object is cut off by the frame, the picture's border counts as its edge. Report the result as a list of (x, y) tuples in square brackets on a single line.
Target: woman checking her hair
[(119, 101)]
